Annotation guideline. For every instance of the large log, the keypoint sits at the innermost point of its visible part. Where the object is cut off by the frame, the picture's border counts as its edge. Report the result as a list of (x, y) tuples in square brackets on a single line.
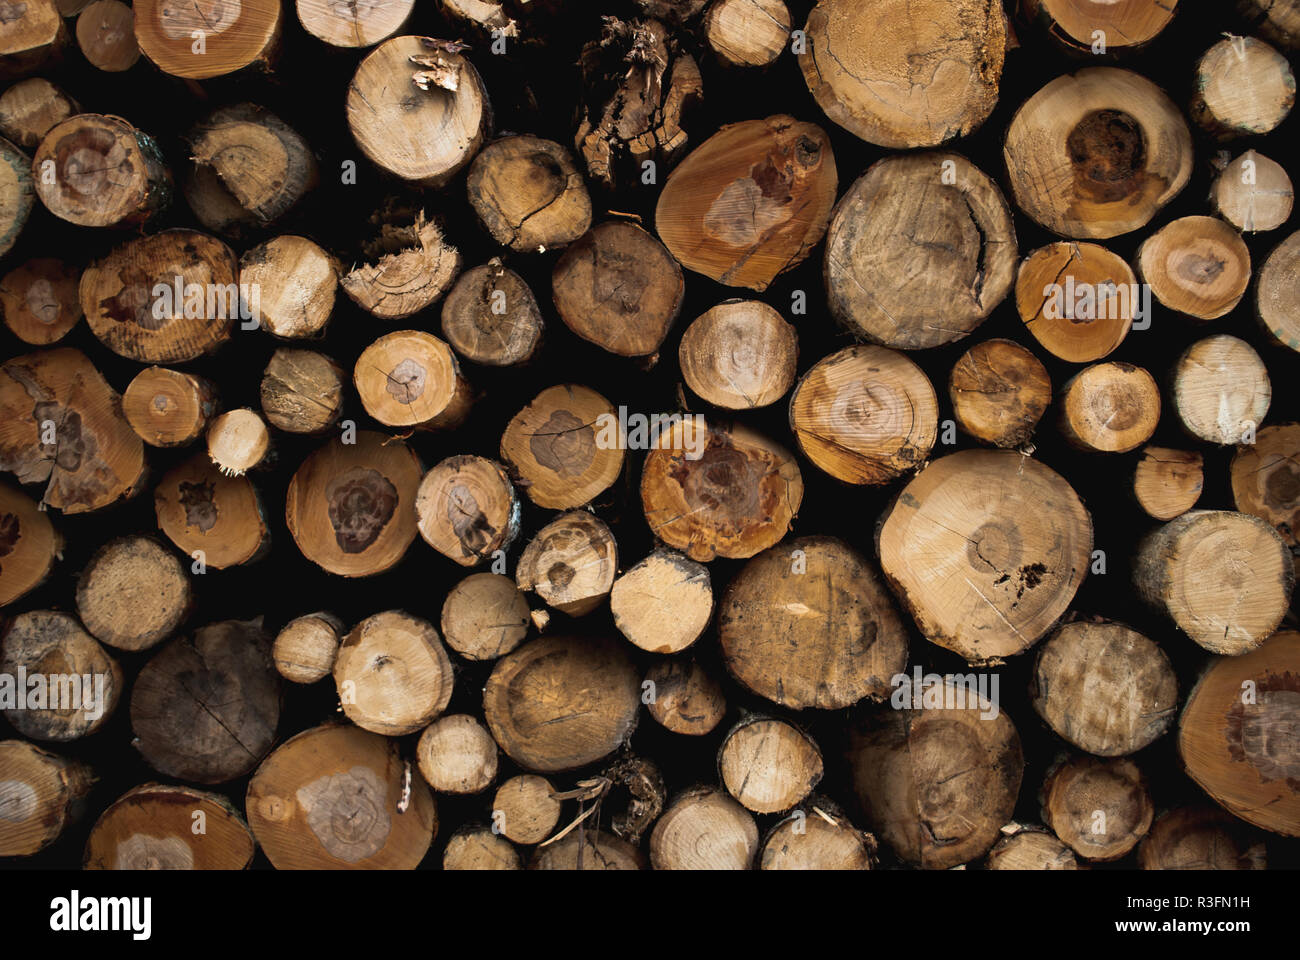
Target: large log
[(1077, 299), (160, 827), (570, 563), (1277, 293), (1198, 266), (352, 25), (1123, 26), (1243, 87), (485, 616), (295, 281), (41, 793), (230, 36), (457, 755), (1221, 389), (1199, 838), (40, 300), (393, 674), (467, 509), (1100, 808), (528, 194), (1109, 407), (739, 355), (704, 829), (769, 765), (133, 594), (663, 603), (491, 316), (31, 108), (1266, 479), (215, 518), (999, 392), (29, 544)]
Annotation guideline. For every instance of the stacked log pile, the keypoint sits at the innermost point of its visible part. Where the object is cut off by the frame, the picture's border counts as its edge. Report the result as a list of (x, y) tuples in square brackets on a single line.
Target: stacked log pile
[(753, 434)]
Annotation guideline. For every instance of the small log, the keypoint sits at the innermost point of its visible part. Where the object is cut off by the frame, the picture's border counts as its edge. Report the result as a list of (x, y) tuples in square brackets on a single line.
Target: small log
[(809, 623), (169, 408), (17, 194), (559, 703), (1030, 848), (29, 545), (457, 755), (1199, 838), (550, 446), (350, 506), (206, 708), (393, 674), (866, 415), (1104, 687), (920, 250), (769, 765), (30, 109), (1109, 407), (747, 33), (619, 288), (1266, 479), (331, 798), (40, 300), (1198, 266), (31, 35), (687, 698), (1124, 27), (570, 563), (1221, 390), (1227, 731), (704, 829), (528, 194), (1277, 293), (216, 519), (1013, 542), (1243, 87), (162, 827), (295, 282), (1167, 483), (491, 317), (353, 25), (478, 848), (302, 391), (1077, 299), (750, 202), (412, 267), (195, 316), (1224, 578), (106, 35), (1099, 808), (739, 355), (1096, 153), (663, 603), (418, 109), (61, 424), (485, 616), (238, 441), (588, 850), (410, 378), (999, 391), (234, 37), (467, 509), (305, 650), (133, 594), (526, 808), (1253, 193), (79, 682), (735, 499), (41, 793), (871, 67), (819, 840), (1277, 20)]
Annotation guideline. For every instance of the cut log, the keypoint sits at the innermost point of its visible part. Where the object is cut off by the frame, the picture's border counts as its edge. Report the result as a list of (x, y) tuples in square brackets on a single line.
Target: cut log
[(985, 549), (687, 698), (747, 33), (550, 446), (99, 171), (30, 109), (77, 684), (17, 194), (1198, 266), (999, 391), (418, 109), (485, 616), (750, 202), (1243, 87), (133, 594), (106, 35), (1266, 479), (40, 795), (1104, 687), (1077, 299), (810, 624), (1253, 193), (588, 850), (295, 282), (526, 808), (739, 355), (305, 650), (528, 194), (238, 441), (457, 755), (1224, 578), (1199, 838), (821, 840), (31, 34), (161, 827), (216, 519), (352, 25), (302, 391), (769, 765), (478, 848), (1030, 848), (734, 498), (937, 783), (1099, 808), (412, 266), (1278, 20), (350, 506), (1096, 153), (1167, 483), (206, 708), (876, 70), (663, 603), (61, 424), (169, 408), (1109, 407), (29, 545), (393, 674), (704, 829), (1232, 738), (331, 798), (40, 300), (467, 510), (570, 563), (619, 288), (410, 378), (126, 307), (491, 317), (1221, 390), (920, 250), (559, 703), (1277, 293), (1124, 26), (233, 36)]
